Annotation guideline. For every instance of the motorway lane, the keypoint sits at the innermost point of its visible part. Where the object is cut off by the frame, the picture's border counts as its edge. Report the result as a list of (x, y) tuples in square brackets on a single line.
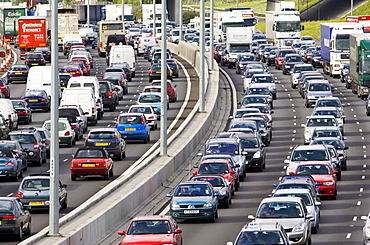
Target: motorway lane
[(340, 219), (79, 191)]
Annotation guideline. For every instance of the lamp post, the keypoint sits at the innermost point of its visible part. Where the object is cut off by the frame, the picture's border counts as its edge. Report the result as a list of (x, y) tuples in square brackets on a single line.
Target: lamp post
[(202, 63), (163, 127), (211, 57), (351, 7)]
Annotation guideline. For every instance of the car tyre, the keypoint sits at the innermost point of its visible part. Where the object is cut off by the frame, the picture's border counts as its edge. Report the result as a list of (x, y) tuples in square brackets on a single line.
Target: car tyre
[(241, 177), (73, 177), (315, 228), (111, 173), (119, 156), (106, 175), (20, 233), (28, 231), (65, 203), (227, 203)]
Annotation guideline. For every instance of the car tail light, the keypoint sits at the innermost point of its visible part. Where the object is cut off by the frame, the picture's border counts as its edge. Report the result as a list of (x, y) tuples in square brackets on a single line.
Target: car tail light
[(3, 88), (134, 64), (23, 98), (9, 217), (10, 117), (67, 133), (19, 194), (93, 110), (47, 143), (151, 118), (73, 126), (36, 146), (102, 76), (27, 60), (142, 121), (42, 60), (109, 95), (168, 71), (22, 113), (115, 136), (101, 44), (49, 53), (150, 72), (9, 164), (43, 100)]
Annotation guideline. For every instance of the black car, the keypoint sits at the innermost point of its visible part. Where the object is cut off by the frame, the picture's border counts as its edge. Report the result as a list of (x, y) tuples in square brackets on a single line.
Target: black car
[(126, 67), (37, 99), (23, 110), (110, 139), (316, 59), (90, 38), (117, 80), (18, 149), (17, 72), (45, 52), (35, 59), (15, 219), (289, 61), (155, 72), (32, 143), (64, 78), (256, 155), (174, 67), (243, 60), (270, 60), (94, 44), (109, 95), (76, 111)]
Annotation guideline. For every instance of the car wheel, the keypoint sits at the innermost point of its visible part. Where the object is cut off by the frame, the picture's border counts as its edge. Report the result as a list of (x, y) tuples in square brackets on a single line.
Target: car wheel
[(111, 173), (28, 231), (74, 141), (227, 203), (44, 158), (315, 228), (111, 107), (344, 167), (106, 176), (212, 220), (16, 176), (147, 139), (39, 163), (308, 242), (241, 177), (73, 177), (260, 168), (65, 203), (236, 186), (119, 156), (20, 233)]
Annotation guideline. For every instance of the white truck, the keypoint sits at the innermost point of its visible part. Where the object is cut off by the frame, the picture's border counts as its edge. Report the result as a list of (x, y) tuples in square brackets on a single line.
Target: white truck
[(67, 24), (148, 13), (335, 48), (223, 20), (238, 41), (248, 16), (283, 28), (281, 6)]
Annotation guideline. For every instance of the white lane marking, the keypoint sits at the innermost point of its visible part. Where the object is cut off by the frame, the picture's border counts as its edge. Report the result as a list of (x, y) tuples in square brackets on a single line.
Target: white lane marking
[(365, 156), (293, 139), (285, 166), (354, 218), (108, 125), (286, 90), (348, 236), (358, 203), (294, 124), (351, 109), (354, 116), (292, 105), (364, 166), (362, 138), (357, 122), (294, 116), (65, 160), (291, 99), (361, 189), (291, 147), (294, 131), (289, 95), (10, 194), (364, 146), (363, 177)]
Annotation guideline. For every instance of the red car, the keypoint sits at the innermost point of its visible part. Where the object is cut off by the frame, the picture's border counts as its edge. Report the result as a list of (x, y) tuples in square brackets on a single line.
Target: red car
[(280, 55), (171, 89), (91, 161), (155, 229), (74, 70), (4, 89), (219, 167), (86, 62), (323, 173)]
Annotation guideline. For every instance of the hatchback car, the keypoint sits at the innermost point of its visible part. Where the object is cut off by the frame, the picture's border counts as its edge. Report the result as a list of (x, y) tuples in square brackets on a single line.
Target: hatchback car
[(67, 135), (69, 111), (174, 67), (126, 68), (34, 192), (194, 200), (45, 52), (117, 80), (280, 55), (108, 138), (35, 59), (15, 219), (295, 72), (267, 80), (155, 72), (64, 78), (109, 95), (4, 88), (153, 99), (17, 72), (366, 229), (289, 61), (74, 70), (149, 113), (171, 89), (133, 126), (91, 161), (11, 166), (316, 89), (290, 212), (37, 99), (23, 110), (317, 121), (152, 229)]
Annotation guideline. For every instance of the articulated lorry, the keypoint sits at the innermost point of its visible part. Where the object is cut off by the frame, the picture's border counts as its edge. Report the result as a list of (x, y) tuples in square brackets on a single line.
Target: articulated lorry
[(97, 13), (32, 33), (238, 41), (360, 63), (283, 28), (248, 16), (67, 24), (9, 22), (335, 45), (224, 20)]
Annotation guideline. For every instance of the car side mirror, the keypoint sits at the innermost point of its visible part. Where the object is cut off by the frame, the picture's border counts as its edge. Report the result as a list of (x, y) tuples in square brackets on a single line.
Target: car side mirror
[(346, 148), (122, 233), (169, 195), (64, 186), (195, 166), (177, 231)]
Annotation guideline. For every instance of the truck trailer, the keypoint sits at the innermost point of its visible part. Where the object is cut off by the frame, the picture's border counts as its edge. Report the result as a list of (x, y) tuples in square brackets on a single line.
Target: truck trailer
[(9, 22), (32, 33), (359, 61), (224, 20), (238, 41), (335, 45), (67, 24)]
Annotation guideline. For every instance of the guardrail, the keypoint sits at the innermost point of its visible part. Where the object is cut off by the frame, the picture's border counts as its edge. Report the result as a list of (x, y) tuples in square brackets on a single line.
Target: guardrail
[(99, 215)]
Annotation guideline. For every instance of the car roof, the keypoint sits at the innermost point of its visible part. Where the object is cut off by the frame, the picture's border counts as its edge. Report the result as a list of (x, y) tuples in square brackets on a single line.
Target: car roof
[(193, 182), (152, 217), (281, 199), (326, 138), (292, 191), (309, 147), (320, 116), (222, 140), (216, 160), (103, 129), (37, 176), (130, 114), (253, 226)]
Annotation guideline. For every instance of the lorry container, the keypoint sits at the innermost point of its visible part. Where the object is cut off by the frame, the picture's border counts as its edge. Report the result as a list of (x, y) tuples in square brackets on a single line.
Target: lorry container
[(67, 24), (283, 28), (224, 20), (97, 13), (360, 63), (32, 33), (248, 16), (364, 19), (238, 41), (9, 22), (335, 45)]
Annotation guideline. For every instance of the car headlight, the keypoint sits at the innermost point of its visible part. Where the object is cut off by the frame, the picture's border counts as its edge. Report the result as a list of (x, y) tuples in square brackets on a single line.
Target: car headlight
[(286, 66), (299, 227), (208, 204), (328, 183), (222, 192), (365, 90), (316, 60), (240, 65), (311, 97), (257, 154), (175, 205)]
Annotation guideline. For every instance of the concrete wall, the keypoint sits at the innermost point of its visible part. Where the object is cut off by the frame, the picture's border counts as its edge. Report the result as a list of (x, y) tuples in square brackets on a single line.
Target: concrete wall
[(99, 215)]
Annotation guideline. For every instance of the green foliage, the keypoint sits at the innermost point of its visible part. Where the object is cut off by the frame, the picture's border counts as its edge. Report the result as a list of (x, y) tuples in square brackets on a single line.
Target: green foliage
[(187, 15)]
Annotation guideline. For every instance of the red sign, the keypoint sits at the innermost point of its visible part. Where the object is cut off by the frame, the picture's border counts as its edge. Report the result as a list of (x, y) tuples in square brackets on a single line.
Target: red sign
[(32, 32)]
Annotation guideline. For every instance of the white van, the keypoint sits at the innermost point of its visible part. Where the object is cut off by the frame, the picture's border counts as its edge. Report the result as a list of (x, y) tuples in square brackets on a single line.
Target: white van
[(145, 41), (39, 78), (92, 82), (8, 111), (83, 97), (123, 53)]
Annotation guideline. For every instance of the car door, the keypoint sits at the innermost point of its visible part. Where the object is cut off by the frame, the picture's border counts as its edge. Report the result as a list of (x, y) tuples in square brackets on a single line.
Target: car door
[(23, 214)]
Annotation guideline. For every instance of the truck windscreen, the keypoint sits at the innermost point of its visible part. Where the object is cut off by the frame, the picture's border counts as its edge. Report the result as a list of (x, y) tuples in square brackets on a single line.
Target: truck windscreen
[(285, 26), (342, 42)]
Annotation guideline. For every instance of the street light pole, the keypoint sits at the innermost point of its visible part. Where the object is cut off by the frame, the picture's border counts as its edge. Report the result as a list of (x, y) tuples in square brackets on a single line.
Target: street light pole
[(202, 63), (163, 129), (211, 57)]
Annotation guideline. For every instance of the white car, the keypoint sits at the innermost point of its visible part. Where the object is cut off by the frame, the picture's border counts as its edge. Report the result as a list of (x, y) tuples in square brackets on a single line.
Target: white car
[(312, 205), (366, 229), (290, 212), (66, 133), (247, 77), (148, 111), (317, 121)]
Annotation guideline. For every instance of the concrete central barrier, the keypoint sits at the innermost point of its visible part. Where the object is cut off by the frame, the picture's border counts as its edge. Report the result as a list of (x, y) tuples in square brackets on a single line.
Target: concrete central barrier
[(101, 214)]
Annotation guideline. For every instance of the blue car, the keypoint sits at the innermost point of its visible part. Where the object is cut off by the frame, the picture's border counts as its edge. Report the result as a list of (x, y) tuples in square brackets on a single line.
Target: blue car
[(10, 165), (152, 99), (133, 126), (194, 200), (37, 99)]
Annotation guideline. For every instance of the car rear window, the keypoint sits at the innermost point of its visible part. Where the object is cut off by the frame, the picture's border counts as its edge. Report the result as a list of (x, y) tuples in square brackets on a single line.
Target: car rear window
[(36, 184), (150, 98), (23, 138), (101, 135), (130, 120)]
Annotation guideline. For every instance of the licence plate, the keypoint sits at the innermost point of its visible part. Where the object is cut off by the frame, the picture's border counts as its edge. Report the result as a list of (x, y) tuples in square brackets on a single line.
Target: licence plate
[(158, 72), (0, 222), (88, 165), (35, 64), (36, 203), (191, 211), (19, 73), (32, 100), (101, 144), (130, 129), (72, 73), (91, 38)]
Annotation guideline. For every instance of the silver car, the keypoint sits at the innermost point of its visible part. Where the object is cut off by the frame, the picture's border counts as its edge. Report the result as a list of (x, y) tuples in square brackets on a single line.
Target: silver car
[(366, 229)]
